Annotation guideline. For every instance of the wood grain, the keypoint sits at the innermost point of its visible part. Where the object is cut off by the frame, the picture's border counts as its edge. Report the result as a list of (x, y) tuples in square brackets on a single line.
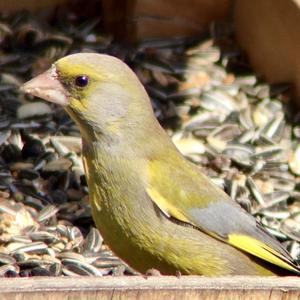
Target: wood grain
[(31, 5), (157, 288), (135, 20), (269, 32)]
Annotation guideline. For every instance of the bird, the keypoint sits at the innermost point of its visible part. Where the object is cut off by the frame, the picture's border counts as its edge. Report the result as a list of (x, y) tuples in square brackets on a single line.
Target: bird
[(153, 207)]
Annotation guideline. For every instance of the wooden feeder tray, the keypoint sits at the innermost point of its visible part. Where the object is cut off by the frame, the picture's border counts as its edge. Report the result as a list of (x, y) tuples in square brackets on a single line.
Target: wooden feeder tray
[(157, 288)]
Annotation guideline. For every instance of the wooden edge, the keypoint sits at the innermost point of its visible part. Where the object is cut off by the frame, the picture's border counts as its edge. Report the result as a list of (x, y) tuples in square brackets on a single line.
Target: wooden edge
[(154, 288), (48, 284)]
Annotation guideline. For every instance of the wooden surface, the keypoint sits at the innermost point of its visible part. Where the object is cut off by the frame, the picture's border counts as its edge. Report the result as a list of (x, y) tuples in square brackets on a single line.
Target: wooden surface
[(31, 5), (134, 20), (269, 31), (157, 288)]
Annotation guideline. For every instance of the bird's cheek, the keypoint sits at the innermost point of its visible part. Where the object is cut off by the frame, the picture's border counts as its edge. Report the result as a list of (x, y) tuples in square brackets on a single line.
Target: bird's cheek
[(77, 105)]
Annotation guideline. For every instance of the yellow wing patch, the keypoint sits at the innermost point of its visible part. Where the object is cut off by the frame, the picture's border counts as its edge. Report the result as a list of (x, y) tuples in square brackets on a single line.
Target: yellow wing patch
[(85, 166), (165, 206), (87, 175), (259, 249)]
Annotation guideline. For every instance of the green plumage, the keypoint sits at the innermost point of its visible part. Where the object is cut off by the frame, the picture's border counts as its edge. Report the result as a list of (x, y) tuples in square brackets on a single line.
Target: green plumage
[(154, 208)]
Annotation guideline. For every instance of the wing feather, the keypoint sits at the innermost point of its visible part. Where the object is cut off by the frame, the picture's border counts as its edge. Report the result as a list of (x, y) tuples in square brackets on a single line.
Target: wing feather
[(200, 203)]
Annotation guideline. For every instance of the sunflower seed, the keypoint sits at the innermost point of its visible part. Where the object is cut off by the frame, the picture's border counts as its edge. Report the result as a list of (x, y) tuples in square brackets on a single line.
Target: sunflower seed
[(47, 212), (6, 259), (81, 267), (35, 247), (255, 191), (93, 241)]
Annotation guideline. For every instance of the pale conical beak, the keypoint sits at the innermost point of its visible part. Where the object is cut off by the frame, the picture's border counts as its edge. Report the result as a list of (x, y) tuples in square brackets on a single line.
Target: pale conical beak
[(47, 87)]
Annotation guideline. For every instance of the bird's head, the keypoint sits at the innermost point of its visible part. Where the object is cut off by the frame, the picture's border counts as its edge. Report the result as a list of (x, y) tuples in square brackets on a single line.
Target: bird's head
[(100, 93)]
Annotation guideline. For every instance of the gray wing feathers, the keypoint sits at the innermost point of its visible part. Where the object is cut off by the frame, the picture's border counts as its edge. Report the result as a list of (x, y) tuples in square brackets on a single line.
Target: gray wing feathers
[(224, 218)]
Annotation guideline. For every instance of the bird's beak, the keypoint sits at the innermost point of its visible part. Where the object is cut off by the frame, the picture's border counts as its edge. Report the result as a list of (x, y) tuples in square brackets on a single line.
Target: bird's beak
[(48, 87)]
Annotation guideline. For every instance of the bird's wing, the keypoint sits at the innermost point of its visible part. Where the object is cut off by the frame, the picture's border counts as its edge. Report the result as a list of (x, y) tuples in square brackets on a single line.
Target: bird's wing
[(186, 195)]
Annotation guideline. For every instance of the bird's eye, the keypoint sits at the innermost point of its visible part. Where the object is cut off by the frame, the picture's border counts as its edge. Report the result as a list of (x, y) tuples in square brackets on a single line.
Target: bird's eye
[(82, 81)]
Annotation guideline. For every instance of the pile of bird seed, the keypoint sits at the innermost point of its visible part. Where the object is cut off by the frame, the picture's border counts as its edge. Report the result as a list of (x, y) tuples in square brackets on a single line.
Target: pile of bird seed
[(239, 130)]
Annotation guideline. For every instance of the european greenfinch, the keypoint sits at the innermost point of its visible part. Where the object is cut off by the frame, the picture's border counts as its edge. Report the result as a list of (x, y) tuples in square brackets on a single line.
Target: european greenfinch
[(154, 208)]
